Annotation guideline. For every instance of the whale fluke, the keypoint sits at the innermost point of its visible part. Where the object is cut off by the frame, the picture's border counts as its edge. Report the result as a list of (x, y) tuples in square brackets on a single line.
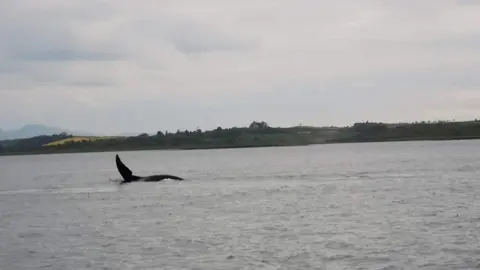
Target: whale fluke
[(128, 176), (126, 173)]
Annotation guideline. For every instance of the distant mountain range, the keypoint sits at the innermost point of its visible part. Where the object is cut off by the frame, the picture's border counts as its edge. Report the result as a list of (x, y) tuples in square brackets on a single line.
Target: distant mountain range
[(28, 131), (32, 130)]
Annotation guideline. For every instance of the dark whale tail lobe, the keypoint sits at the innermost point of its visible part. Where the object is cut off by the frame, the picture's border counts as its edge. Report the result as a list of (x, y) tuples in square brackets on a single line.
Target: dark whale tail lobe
[(126, 173)]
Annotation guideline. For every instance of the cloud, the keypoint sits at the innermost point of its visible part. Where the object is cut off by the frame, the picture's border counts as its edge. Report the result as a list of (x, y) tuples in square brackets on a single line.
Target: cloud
[(183, 64), (191, 38), (63, 55)]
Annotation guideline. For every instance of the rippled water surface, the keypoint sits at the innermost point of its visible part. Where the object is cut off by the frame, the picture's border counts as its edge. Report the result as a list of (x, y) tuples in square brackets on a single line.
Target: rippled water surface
[(405, 205)]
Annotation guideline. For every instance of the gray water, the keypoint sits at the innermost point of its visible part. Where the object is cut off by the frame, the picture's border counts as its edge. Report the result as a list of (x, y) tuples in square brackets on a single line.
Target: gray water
[(405, 205)]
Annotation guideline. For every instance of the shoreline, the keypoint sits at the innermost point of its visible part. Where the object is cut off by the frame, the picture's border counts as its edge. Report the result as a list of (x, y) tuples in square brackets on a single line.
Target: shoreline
[(187, 148)]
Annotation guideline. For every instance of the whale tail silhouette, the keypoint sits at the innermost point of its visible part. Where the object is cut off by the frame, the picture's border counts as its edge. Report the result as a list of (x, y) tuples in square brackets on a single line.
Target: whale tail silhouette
[(126, 173), (128, 176)]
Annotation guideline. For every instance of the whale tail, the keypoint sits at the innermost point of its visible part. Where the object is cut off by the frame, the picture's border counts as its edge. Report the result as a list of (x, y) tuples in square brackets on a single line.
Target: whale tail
[(126, 173), (128, 176)]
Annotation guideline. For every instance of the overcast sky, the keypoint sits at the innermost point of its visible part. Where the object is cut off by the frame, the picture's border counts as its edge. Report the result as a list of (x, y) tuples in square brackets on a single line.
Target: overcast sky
[(116, 65)]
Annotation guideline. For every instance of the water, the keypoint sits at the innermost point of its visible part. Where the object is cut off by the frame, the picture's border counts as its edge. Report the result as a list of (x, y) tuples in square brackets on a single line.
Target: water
[(406, 205)]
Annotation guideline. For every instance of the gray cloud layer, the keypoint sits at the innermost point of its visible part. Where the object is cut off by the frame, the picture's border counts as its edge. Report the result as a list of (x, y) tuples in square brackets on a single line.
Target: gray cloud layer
[(112, 66)]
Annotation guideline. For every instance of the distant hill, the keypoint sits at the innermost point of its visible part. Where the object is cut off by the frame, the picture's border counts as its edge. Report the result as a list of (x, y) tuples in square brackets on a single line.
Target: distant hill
[(31, 130)]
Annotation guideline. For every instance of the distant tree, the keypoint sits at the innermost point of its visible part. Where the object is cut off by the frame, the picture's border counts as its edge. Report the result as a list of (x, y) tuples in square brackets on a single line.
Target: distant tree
[(258, 125)]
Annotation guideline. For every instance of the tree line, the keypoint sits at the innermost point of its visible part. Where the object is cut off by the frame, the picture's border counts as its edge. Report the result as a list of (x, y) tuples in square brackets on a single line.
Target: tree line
[(255, 135), (439, 130)]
